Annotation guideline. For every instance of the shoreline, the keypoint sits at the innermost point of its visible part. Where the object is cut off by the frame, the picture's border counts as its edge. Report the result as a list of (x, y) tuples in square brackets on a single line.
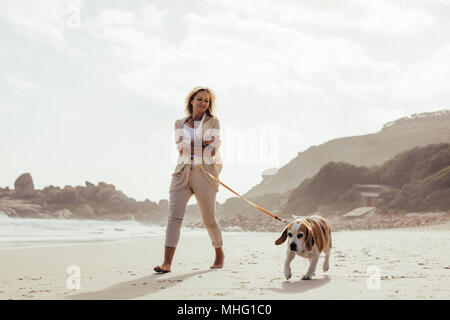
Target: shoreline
[(108, 241), (198, 230)]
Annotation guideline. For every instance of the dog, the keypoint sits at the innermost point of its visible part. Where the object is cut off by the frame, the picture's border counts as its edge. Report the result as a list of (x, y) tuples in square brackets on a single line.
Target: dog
[(308, 237)]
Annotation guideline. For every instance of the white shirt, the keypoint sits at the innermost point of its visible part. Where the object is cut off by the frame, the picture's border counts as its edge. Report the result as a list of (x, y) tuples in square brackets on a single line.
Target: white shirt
[(193, 136)]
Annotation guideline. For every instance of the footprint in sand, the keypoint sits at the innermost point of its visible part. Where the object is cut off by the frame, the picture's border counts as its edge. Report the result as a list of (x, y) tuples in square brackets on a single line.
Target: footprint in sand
[(176, 280), (276, 279), (341, 257)]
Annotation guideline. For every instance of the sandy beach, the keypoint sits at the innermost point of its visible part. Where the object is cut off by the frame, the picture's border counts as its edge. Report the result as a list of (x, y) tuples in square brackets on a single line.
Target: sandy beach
[(413, 263)]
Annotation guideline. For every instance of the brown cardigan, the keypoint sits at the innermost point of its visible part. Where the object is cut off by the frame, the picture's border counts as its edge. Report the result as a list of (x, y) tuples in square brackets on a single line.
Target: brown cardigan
[(182, 173)]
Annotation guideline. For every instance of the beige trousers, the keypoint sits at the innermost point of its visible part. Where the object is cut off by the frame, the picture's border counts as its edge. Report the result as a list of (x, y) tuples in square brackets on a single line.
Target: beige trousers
[(206, 200)]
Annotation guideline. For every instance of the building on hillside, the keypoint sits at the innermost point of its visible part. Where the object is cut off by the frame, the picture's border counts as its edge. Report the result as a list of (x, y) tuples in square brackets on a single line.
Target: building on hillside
[(370, 193)]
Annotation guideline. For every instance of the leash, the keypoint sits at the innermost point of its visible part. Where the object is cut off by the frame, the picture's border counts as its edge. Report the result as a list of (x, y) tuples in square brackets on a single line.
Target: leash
[(243, 198)]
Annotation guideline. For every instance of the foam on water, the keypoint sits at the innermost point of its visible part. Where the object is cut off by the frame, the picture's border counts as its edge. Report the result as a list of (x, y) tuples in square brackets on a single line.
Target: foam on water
[(18, 233)]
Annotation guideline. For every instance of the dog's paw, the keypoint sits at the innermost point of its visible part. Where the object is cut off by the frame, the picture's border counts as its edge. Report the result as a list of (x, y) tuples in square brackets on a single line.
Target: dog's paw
[(306, 278), (287, 274)]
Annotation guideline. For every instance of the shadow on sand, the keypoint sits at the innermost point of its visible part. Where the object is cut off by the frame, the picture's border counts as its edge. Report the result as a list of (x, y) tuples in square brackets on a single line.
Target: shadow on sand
[(301, 285), (136, 288)]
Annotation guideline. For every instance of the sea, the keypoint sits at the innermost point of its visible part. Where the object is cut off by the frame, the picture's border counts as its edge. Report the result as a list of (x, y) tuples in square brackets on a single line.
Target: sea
[(25, 233)]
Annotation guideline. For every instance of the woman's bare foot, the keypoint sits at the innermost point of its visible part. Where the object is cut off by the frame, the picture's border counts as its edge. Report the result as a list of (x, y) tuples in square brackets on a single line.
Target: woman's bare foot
[(162, 269), (220, 257), (168, 256)]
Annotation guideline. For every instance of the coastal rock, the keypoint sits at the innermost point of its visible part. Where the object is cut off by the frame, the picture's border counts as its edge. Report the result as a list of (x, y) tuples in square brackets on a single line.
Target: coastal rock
[(163, 205), (51, 193), (148, 206), (84, 211), (103, 212), (23, 186), (103, 185), (105, 192), (4, 192), (68, 195), (121, 203), (10, 212), (91, 190), (63, 214), (20, 208)]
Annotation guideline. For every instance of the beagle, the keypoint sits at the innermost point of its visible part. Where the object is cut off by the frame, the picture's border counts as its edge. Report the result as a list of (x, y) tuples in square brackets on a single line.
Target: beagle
[(308, 237)]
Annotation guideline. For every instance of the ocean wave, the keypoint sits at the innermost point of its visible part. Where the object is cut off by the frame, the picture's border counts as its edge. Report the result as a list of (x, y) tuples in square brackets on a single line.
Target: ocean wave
[(27, 232)]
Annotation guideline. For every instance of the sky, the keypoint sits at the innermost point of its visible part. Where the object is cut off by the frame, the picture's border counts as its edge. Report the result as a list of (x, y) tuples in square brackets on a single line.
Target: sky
[(90, 89)]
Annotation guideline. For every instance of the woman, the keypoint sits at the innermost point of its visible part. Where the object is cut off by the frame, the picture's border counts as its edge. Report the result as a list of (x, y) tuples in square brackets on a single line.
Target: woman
[(197, 137)]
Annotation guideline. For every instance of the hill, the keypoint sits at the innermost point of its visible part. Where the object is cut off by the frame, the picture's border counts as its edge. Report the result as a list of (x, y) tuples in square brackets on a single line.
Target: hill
[(366, 150), (420, 179)]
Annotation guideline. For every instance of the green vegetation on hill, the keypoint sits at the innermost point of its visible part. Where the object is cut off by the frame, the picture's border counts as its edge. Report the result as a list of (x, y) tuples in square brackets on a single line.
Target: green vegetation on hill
[(331, 182), (420, 176), (429, 194), (411, 165)]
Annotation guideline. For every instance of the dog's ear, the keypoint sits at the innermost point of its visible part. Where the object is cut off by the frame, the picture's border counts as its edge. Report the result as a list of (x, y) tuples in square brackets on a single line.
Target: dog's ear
[(309, 237), (283, 237), (309, 243)]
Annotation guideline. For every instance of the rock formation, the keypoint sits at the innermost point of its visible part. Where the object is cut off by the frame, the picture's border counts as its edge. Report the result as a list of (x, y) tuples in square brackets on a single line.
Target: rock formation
[(23, 186)]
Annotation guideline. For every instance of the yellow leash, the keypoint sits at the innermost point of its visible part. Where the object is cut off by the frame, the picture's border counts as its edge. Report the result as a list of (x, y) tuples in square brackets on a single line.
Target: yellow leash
[(243, 198)]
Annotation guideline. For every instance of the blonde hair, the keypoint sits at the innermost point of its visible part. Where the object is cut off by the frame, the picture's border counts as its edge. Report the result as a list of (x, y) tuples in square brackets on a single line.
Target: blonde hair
[(191, 95)]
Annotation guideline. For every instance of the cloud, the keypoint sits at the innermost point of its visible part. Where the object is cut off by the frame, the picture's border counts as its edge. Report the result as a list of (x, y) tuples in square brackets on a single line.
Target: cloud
[(265, 49), (228, 52), (43, 21), (112, 17), (389, 18), (149, 17), (19, 83), (427, 81), (374, 17), (153, 17), (131, 36)]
